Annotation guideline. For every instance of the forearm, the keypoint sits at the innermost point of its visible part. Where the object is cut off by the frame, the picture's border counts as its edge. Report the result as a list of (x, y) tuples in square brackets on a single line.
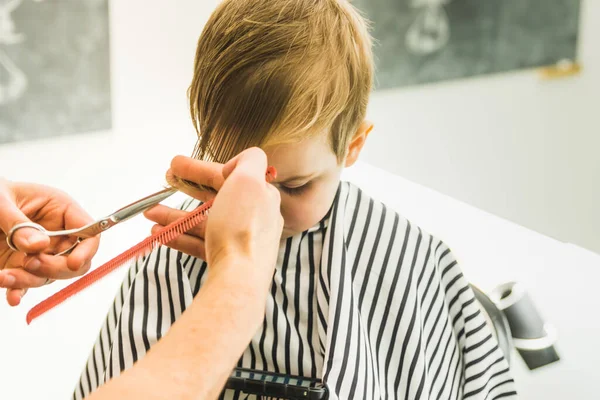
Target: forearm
[(197, 355)]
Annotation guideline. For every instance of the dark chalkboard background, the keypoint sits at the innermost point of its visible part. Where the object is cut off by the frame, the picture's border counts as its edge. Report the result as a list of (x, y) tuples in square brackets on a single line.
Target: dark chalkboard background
[(485, 36), (65, 57)]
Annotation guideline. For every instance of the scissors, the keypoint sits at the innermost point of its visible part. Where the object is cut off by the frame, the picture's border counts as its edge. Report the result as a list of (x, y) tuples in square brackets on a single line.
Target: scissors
[(99, 226)]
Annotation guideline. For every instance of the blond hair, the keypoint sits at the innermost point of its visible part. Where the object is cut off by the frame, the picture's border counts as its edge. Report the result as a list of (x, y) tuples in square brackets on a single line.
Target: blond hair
[(275, 71)]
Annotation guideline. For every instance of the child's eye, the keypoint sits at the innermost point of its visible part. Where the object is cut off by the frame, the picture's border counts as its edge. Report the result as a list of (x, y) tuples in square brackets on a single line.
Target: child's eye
[(295, 191)]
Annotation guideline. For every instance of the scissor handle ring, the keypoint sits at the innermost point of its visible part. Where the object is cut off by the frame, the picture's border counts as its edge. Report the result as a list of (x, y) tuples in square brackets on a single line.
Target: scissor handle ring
[(11, 233), (9, 237)]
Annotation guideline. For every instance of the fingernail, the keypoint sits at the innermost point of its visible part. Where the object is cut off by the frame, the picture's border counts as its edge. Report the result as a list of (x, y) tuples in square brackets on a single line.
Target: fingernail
[(271, 174), (8, 280), (33, 264), (35, 238)]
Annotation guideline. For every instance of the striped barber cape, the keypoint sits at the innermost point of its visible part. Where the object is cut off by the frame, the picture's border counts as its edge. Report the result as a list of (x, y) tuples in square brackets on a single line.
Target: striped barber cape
[(365, 300)]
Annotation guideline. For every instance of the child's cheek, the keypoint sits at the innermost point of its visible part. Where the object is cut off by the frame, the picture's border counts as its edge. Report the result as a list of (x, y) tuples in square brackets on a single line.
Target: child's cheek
[(293, 211), (303, 212)]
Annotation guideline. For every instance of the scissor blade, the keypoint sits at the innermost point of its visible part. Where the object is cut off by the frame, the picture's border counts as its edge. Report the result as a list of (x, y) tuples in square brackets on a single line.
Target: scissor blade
[(141, 205), (99, 226)]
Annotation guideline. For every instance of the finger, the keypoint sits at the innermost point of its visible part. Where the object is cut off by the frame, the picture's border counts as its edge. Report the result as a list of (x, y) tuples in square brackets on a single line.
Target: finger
[(192, 189), (14, 260), (30, 240), (76, 215), (14, 296), (164, 215), (18, 278), (187, 244), (207, 177), (276, 196), (252, 161), (86, 250), (83, 253), (11, 215), (201, 172), (53, 267), (61, 245)]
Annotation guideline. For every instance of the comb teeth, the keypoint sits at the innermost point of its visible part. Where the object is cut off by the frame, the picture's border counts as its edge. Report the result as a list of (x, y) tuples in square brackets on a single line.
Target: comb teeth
[(145, 247), (142, 249), (186, 224)]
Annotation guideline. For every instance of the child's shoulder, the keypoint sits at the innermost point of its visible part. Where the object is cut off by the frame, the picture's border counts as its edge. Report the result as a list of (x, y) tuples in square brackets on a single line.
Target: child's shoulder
[(358, 204), (362, 209)]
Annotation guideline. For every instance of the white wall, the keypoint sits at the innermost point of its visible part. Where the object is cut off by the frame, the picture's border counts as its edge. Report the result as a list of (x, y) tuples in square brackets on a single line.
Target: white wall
[(152, 49), (519, 147)]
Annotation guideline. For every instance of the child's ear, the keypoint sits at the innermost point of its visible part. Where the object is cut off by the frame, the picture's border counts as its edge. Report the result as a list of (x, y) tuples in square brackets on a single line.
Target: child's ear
[(357, 143)]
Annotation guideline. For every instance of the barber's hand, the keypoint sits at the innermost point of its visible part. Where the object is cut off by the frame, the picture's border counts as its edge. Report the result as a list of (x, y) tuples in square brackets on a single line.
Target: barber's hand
[(252, 199), (245, 224), (35, 263), (203, 173)]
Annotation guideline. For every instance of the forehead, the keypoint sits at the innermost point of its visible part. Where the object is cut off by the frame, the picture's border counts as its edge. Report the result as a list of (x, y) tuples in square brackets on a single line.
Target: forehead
[(309, 156)]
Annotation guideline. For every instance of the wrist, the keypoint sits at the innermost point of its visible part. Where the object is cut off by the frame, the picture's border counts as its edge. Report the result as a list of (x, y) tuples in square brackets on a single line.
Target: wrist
[(243, 277), (242, 267)]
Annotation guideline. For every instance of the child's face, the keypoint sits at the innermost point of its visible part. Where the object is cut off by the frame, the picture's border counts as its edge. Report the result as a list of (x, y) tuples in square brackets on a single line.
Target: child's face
[(308, 174)]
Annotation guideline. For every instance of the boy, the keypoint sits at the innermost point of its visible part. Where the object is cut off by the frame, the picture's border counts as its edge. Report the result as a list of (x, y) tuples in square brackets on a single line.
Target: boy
[(360, 297)]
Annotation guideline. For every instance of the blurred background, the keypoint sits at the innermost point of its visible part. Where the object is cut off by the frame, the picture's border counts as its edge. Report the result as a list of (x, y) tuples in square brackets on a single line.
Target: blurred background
[(479, 137)]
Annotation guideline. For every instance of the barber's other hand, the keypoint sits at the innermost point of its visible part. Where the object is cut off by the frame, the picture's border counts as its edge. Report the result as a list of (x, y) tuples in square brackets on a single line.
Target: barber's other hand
[(35, 263), (245, 224), (245, 204), (202, 173)]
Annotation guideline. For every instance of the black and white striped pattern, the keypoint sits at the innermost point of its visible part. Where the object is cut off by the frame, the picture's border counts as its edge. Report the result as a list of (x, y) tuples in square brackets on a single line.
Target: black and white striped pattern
[(364, 300)]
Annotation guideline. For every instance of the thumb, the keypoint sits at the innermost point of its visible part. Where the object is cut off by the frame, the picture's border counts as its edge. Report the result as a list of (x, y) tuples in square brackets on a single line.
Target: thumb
[(253, 161), (28, 240)]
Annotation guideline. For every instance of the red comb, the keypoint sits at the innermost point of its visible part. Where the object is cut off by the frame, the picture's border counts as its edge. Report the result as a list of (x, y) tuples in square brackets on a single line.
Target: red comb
[(145, 247)]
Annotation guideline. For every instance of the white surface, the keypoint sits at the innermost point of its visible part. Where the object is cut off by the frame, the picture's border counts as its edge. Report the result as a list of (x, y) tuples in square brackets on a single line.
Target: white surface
[(560, 278), (153, 48), (510, 144)]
